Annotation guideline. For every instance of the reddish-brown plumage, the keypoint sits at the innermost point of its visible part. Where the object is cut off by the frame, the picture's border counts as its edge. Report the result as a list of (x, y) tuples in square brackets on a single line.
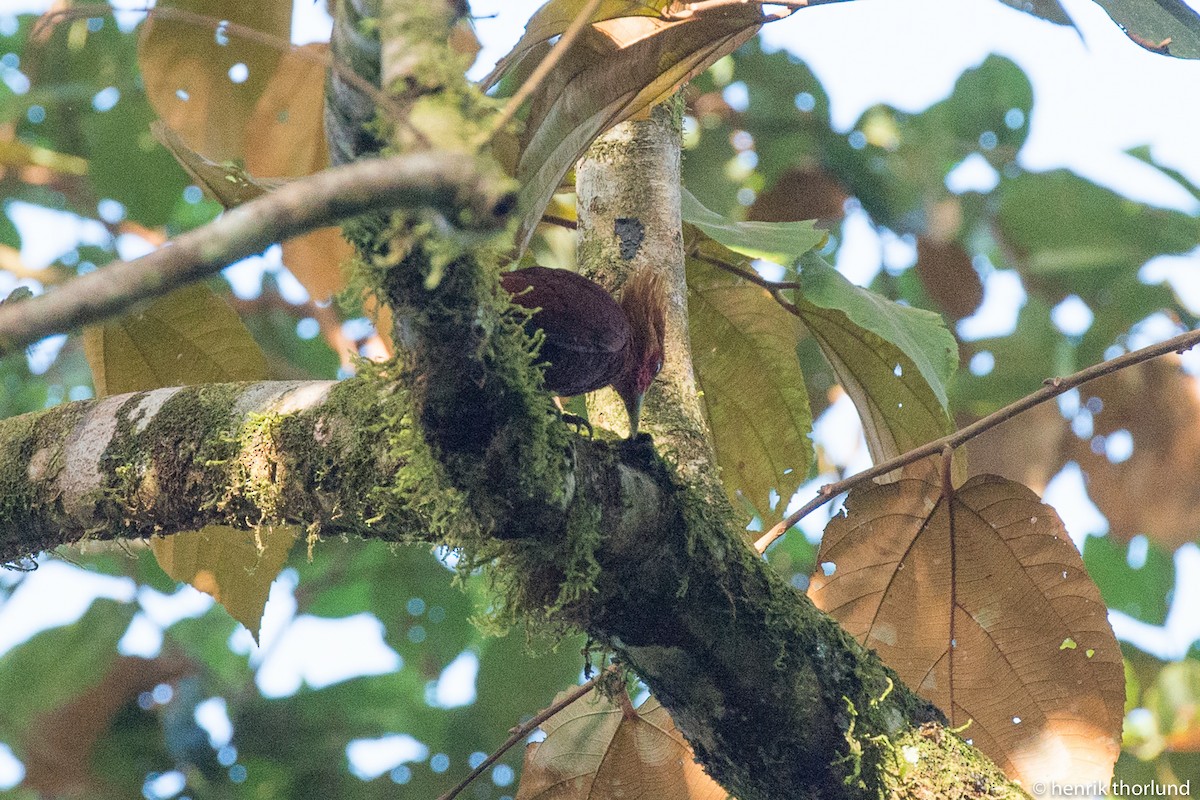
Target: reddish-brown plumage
[(591, 341)]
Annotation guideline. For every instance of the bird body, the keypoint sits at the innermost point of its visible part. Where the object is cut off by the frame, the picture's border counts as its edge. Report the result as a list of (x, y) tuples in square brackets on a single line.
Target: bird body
[(591, 340)]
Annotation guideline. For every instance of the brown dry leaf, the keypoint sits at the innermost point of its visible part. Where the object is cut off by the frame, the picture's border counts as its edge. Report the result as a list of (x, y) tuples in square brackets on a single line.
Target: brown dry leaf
[(594, 750), (983, 605), (553, 19), (613, 70), (316, 260), (801, 193), (287, 140), (236, 567), (58, 761), (286, 132), (1166, 452), (948, 276), (204, 80)]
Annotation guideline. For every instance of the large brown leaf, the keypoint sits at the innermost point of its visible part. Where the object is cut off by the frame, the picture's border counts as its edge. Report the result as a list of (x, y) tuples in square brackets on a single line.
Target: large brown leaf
[(204, 80), (286, 139), (594, 750), (982, 604), (1163, 464), (613, 70)]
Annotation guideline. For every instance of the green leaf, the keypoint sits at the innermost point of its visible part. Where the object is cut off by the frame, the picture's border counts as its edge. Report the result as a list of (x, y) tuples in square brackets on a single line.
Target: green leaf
[(1060, 223), (1050, 10), (56, 665), (898, 407), (1151, 23), (920, 336), (752, 387), (1143, 593), (781, 242), (188, 337)]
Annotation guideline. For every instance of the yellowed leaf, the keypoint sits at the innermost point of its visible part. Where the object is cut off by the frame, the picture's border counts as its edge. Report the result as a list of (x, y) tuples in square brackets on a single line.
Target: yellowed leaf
[(286, 132), (971, 601), (189, 336), (753, 391), (203, 78), (228, 184), (235, 567), (595, 750)]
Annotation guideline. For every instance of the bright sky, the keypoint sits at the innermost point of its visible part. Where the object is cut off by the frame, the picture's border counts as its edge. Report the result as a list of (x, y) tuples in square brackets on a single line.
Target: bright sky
[(1095, 96)]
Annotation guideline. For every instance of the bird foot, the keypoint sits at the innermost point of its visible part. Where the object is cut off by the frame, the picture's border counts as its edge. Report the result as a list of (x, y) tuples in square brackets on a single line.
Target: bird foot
[(578, 423)]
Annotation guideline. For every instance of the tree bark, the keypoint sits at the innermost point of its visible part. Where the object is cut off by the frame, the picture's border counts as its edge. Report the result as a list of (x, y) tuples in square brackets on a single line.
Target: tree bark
[(456, 444)]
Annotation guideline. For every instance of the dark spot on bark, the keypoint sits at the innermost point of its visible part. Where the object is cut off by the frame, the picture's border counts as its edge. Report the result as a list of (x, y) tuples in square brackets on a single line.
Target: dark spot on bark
[(631, 232)]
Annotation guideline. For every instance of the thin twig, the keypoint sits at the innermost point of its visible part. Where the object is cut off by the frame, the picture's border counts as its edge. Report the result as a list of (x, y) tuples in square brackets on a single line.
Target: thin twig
[(1053, 388), (748, 274), (442, 181), (582, 20), (562, 222), (522, 731)]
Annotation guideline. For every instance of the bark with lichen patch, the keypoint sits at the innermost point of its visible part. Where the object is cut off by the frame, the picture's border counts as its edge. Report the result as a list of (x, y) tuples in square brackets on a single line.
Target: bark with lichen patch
[(459, 447)]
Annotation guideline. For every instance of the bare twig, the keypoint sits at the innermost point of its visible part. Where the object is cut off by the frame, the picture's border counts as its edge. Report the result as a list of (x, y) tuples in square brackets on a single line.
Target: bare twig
[(582, 19), (1053, 388), (442, 181), (522, 731)]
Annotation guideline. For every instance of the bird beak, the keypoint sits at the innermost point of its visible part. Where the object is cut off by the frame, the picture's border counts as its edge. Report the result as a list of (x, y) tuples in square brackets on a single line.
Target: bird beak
[(633, 407)]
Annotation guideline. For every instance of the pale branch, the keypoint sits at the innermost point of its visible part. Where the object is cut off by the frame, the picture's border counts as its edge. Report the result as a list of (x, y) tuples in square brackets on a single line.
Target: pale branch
[(1052, 387), (440, 181)]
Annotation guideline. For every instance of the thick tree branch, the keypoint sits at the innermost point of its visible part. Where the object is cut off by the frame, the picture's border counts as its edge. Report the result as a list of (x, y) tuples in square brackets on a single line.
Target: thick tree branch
[(434, 180)]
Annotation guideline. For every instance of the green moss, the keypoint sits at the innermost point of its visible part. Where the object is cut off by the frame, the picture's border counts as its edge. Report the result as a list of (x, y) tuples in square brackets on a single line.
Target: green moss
[(42, 436)]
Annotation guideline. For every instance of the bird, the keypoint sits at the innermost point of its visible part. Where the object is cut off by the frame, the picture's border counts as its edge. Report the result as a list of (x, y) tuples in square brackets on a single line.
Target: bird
[(591, 340)]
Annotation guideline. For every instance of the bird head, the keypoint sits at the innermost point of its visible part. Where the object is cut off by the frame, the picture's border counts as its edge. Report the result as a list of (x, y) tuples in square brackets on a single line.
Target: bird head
[(644, 301)]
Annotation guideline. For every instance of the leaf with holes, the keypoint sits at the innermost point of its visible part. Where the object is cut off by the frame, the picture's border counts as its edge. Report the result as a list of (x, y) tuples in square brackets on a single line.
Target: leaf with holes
[(752, 387), (981, 602), (595, 750)]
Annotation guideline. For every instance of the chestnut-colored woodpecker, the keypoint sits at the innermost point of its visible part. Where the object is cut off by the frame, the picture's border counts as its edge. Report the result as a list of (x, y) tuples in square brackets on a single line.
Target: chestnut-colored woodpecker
[(591, 340)]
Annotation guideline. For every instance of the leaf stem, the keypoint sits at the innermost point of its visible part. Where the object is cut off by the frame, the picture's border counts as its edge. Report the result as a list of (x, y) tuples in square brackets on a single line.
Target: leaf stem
[(1052, 388)]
